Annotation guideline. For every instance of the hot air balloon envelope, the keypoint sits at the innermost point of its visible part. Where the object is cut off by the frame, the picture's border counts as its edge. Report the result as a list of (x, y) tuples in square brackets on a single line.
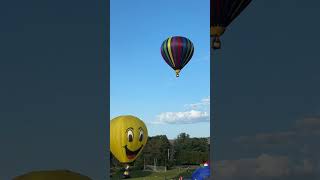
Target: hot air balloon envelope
[(52, 175), (177, 52), (222, 13), (128, 136)]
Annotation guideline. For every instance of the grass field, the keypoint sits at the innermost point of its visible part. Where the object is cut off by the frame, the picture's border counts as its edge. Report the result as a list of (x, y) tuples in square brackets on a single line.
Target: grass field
[(173, 174)]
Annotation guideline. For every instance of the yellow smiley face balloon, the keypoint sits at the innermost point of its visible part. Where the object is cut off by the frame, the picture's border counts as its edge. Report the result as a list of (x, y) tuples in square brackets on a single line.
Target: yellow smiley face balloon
[(128, 136)]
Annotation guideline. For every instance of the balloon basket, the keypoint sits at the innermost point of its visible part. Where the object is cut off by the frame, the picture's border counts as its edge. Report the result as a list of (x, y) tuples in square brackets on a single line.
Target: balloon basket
[(216, 43), (177, 73)]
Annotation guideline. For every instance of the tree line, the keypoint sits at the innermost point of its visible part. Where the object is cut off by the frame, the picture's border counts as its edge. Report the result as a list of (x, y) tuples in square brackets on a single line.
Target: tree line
[(158, 151)]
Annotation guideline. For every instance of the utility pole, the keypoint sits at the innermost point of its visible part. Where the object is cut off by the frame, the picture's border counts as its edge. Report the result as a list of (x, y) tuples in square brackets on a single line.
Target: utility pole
[(154, 164), (165, 165)]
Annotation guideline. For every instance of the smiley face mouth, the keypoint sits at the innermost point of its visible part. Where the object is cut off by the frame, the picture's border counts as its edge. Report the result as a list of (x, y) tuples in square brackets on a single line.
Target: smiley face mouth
[(132, 154)]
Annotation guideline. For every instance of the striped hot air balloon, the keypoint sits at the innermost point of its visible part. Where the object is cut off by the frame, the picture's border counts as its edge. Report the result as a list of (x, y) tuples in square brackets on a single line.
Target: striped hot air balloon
[(177, 52), (222, 13)]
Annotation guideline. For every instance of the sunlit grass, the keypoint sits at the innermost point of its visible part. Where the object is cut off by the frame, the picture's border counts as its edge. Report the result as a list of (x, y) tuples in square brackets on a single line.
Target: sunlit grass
[(148, 175)]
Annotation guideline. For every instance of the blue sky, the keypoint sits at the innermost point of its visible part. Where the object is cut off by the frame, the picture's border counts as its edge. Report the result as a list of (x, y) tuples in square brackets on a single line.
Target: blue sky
[(142, 84)]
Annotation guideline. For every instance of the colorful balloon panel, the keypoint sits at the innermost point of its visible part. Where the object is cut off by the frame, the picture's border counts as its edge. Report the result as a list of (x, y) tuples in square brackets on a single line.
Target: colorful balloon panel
[(177, 51), (128, 136)]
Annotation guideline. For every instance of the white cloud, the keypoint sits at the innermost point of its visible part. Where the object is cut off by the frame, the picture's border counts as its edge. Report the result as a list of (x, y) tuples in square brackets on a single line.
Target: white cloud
[(197, 112), (203, 104), (186, 117), (292, 153), (264, 167)]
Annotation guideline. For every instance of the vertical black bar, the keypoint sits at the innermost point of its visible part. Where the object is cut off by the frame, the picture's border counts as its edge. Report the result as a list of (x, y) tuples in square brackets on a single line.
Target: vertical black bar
[(211, 110), (211, 93), (108, 89), (54, 91)]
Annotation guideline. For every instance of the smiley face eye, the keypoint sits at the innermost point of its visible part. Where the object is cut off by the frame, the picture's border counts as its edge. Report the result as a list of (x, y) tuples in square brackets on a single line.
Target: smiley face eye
[(141, 135), (130, 135)]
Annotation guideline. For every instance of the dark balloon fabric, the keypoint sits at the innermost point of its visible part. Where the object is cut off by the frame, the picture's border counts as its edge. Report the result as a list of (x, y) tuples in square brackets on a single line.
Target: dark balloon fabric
[(177, 51), (223, 12)]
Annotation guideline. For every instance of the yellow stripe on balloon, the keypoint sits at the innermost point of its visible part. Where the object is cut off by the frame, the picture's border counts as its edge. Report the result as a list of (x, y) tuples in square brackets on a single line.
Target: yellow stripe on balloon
[(170, 53)]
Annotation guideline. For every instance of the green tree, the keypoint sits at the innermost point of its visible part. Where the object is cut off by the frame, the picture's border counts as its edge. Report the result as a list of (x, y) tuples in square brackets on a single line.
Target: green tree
[(190, 150), (156, 148)]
